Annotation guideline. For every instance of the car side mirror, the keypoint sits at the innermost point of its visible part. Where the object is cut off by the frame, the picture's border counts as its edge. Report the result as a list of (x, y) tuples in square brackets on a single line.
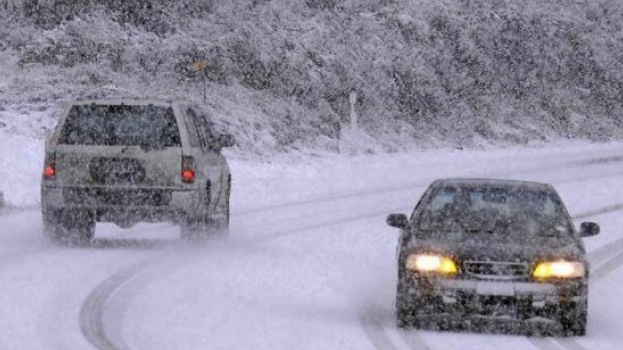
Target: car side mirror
[(398, 220), (226, 140), (588, 229)]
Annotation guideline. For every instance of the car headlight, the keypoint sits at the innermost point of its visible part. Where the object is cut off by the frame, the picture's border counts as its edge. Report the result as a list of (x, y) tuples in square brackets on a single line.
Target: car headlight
[(431, 263), (559, 269)]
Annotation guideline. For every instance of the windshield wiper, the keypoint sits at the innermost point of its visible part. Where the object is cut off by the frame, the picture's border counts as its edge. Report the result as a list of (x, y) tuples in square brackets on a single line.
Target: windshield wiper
[(477, 230)]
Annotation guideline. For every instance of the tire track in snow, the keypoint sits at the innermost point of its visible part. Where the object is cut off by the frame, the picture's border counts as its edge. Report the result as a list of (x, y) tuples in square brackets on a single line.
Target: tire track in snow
[(372, 323), (92, 311), (99, 306), (605, 210), (544, 344), (414, 340), (607, 267)]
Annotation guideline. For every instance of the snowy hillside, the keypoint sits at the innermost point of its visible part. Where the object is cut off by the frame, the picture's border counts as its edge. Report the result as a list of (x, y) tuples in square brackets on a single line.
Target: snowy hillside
[(279, 73)]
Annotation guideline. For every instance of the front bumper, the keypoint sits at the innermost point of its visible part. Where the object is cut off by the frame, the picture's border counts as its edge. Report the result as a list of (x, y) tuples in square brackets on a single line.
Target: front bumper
[(518, 300)]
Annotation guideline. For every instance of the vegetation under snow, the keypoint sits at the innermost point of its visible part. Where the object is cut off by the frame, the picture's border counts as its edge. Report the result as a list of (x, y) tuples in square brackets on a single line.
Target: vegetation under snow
[(279, 73)]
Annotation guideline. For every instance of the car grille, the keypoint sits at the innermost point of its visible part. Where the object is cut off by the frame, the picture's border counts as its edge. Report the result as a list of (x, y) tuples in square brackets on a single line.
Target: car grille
[(128, 197), (496, 270)]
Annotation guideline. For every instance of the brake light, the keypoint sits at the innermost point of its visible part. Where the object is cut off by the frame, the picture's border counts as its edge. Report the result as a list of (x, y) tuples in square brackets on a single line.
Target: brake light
[(188, 169), (49, 167), (188, 176)]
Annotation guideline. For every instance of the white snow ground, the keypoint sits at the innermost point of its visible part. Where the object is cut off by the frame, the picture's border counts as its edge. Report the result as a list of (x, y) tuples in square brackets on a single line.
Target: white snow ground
[(310, 263)]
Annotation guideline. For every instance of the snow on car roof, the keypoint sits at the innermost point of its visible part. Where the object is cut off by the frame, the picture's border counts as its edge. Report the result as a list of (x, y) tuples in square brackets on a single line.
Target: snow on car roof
[(478, 182), (129, 102)]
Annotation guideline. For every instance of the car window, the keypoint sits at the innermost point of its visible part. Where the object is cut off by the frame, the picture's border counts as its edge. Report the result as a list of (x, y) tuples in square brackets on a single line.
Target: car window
[(112, 125), (197, 126), (442, 197), (191, 131), (205, 131), (478, 209)]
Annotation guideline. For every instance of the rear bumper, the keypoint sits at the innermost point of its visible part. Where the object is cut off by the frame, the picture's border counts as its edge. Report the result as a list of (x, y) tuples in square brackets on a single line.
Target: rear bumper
[(139, 204)]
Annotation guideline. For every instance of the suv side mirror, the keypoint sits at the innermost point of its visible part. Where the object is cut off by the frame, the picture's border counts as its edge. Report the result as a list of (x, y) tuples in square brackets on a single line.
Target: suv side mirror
[(226, 140), (588, 229), (398, 220)]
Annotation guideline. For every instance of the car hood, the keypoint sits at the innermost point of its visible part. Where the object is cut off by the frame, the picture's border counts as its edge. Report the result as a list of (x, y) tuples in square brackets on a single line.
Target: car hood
[(494, 247)]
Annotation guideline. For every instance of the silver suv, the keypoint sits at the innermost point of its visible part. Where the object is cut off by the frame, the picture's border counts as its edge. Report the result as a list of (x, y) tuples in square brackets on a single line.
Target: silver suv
[(130, 161)]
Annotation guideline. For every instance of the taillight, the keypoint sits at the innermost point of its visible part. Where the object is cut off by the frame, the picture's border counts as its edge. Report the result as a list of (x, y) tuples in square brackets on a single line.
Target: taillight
[(49, 166), (188, 169)]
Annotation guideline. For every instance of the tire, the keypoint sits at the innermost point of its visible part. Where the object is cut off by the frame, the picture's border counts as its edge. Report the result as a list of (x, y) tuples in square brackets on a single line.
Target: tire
[(405, 317), (220, 227), (197, 229), (413, 315), (406, 309), (201, 229), (419, 312), (69, 227), (193, 229), (52, 229), (573, 318)]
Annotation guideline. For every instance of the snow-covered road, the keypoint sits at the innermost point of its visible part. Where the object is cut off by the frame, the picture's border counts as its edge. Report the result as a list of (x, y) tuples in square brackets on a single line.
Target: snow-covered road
[(310, 263)]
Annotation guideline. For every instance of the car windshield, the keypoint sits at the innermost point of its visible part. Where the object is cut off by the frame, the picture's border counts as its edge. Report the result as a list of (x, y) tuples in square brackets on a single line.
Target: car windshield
[(123, 125), (494, 210)]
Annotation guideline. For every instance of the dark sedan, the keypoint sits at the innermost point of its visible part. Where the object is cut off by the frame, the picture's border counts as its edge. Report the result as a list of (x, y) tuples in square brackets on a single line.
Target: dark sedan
[(478, 251)]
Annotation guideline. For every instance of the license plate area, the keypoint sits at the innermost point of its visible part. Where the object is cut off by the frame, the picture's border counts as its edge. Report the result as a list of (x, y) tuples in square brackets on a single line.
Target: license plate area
[(116, 170), (126, 197), (495, 288)]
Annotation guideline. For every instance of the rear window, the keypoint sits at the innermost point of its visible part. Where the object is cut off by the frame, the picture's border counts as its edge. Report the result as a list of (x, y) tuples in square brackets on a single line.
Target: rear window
[(112, 125)]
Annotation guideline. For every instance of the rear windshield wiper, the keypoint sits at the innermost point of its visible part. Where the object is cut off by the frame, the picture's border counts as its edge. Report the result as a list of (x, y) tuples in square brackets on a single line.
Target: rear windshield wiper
[(477, 230)]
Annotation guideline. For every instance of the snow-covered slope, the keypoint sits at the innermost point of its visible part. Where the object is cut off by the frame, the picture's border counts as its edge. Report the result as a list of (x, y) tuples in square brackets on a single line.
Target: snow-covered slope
[(280, 74)]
